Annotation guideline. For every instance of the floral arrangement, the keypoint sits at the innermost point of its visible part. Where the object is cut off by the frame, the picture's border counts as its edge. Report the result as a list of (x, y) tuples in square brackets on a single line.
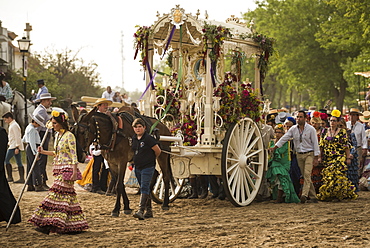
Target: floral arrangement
[(214, 36), (266, 45), (141, 43), (188, 129), (237, 101), (237, 59)]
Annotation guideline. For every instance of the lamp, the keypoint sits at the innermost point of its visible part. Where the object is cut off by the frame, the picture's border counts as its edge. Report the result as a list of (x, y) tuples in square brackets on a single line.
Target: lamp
[(24, 46)]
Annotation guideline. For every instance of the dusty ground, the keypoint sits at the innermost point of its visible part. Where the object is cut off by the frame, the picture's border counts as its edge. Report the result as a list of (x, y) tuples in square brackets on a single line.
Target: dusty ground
[(203, 223)]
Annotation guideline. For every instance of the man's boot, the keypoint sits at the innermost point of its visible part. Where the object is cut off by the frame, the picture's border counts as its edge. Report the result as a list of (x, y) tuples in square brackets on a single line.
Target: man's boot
[(21, 175), (194, 188), (9, 172), (204, 187), (140, 213), (149, 211)]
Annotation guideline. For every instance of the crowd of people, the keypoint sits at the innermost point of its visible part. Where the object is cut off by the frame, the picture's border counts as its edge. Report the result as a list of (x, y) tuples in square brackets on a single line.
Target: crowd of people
[(328, 148)]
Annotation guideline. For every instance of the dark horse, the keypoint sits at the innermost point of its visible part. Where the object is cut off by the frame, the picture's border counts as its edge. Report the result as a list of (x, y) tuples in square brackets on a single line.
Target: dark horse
[(116, 149)]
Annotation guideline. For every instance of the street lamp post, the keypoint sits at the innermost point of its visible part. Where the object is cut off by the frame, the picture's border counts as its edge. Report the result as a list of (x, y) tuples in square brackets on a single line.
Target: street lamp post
[(24, 46)]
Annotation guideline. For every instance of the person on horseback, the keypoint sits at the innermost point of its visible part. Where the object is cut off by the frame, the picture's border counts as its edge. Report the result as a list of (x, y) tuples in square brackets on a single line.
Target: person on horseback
[(42, 90), (6, 93), (146, 151)]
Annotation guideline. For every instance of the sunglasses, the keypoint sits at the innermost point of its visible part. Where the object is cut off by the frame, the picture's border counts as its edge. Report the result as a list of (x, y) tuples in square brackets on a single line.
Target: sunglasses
[(333, 120)]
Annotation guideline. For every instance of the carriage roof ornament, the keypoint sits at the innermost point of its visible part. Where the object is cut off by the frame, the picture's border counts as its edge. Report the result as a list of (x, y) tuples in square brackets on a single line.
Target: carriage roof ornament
[(177, 16)]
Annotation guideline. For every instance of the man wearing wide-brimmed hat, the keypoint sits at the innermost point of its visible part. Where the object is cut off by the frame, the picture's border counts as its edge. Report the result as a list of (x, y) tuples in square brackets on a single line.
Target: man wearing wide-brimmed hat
[(45, 103), (32, 139), (99, 172), (359, 130), (102, 104)]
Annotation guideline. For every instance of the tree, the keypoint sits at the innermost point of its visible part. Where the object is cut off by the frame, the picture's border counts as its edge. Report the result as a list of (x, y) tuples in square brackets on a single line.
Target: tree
[(304, 63)]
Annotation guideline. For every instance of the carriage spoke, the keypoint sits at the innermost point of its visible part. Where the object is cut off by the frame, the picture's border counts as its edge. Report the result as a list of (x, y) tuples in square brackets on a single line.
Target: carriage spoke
[(248, 140), (250, 145), (235, 142), (244, 135), (157, 185), (233, 170), (233, 152), (242, 185), (251, 182), (253, 153), (250, 171)]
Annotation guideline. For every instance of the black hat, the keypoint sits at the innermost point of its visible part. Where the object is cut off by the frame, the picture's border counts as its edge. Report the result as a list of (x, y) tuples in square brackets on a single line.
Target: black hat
[(40, 81)]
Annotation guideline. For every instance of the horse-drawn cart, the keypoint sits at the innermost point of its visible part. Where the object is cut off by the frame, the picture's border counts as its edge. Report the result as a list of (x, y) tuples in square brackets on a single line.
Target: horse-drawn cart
[(196, 49)]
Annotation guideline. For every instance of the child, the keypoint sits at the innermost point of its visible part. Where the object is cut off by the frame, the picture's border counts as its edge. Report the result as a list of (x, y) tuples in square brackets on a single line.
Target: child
[(32, 138), (146, 150)]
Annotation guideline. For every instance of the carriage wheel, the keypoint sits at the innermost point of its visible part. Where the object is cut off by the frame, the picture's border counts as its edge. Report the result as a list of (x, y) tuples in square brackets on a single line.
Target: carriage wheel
[(243, 158), (158, 189)]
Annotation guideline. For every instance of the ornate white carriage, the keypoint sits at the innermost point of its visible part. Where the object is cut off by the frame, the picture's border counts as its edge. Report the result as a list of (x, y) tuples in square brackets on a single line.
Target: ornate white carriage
[(238, 154)]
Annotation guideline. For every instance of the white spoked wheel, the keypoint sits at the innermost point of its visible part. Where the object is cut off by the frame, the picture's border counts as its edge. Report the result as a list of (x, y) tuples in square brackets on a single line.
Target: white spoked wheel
[(243, 158), (158, 189)]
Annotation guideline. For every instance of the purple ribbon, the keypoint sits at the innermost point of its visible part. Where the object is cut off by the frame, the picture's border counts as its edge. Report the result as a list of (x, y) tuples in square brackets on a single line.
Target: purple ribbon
[(213, 77), (150, 82), (169, 40)]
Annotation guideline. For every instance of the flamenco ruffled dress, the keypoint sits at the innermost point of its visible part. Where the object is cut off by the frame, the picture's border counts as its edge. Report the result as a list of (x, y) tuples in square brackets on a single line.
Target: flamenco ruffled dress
[(335, 181), (278, 175), (60, 210)]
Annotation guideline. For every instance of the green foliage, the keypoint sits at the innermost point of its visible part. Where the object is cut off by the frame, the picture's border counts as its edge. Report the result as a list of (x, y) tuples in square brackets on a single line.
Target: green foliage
[(213, 38), (313, 48), (65, 76)]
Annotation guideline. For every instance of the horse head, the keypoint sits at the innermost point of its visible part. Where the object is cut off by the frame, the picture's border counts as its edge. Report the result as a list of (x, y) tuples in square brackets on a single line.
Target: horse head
[(82, 128)]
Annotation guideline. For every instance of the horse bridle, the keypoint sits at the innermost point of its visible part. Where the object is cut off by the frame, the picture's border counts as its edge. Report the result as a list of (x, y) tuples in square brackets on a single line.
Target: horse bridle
[(96, 133)]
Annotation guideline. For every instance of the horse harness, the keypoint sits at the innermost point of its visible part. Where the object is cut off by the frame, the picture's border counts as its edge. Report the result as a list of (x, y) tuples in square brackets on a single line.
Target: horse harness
[(117, 130)]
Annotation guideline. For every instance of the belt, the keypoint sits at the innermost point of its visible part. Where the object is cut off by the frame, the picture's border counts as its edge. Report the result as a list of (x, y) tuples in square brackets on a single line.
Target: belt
[(304, 152)]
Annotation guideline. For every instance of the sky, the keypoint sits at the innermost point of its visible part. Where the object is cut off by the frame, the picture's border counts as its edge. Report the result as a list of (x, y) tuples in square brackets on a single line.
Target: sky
[(101, 30)]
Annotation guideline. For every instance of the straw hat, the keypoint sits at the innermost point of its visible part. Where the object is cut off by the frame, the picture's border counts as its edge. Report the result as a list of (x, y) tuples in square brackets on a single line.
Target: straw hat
[(38, 119), (101, 101), (45, 96), (354, 111), (365, 117)]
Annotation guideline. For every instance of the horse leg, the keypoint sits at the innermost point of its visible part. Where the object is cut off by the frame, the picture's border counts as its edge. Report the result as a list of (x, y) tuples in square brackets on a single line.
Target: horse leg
[(166, 171), (119, 188), (126, 201), (117, 206)]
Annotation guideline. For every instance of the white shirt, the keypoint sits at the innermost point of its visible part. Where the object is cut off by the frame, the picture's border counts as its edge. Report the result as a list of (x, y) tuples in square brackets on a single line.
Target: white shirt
[(359, 131), (14, 135), (108, 96), (32, 137), (305, 141)]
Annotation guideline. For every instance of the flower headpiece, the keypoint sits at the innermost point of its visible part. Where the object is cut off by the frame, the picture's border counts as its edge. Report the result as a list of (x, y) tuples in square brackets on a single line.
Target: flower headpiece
[(55, 113), (323, 116), (316, 114), (336, 113), (279, 126)]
